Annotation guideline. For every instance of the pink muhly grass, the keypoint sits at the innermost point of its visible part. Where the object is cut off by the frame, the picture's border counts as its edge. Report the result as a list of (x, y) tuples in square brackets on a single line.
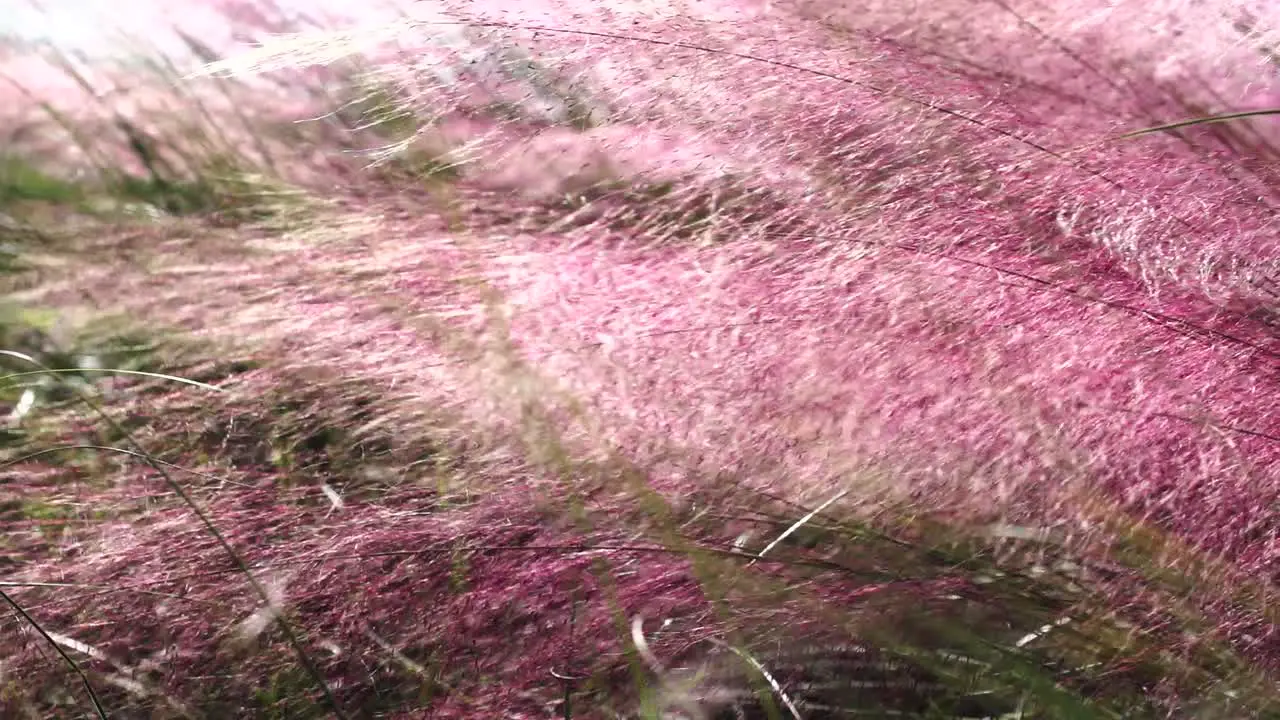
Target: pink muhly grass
[(1058, 288), (976, 298), (916, 277), (464, 614)]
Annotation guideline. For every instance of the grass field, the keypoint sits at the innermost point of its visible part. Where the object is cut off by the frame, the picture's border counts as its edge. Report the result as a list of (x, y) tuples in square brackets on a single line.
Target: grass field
[(661, 360)]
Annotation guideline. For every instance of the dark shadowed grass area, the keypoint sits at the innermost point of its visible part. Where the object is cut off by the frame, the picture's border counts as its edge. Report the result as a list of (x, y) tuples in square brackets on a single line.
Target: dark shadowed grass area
[(575, 361)]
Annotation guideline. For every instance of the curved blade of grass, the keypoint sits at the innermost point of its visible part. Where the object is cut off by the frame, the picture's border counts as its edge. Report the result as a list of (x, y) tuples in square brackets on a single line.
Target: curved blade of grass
[(1192, 122), (800, 523), (100, 589), (67, 371), (122, 451), (760, 668), (88, 687)]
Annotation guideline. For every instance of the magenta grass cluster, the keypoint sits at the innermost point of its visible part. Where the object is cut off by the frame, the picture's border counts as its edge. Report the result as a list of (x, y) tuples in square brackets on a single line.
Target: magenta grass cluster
[(893, 250), (978, 286)]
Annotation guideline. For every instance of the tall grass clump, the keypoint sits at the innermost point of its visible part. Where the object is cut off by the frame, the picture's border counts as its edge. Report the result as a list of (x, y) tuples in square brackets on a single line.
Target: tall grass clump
[(674, 360)]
